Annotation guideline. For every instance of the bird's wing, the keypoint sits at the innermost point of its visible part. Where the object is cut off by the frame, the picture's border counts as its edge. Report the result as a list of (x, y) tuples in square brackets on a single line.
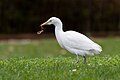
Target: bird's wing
[(79, 41)]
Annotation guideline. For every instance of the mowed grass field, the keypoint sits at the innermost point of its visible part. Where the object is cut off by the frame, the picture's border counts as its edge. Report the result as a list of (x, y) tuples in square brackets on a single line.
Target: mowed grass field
[(45, 60)]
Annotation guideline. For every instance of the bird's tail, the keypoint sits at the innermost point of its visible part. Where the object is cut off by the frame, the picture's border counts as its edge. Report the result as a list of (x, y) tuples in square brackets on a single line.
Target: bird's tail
[(97, 50)]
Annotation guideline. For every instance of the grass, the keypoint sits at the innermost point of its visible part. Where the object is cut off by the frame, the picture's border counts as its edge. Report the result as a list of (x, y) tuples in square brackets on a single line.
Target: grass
[(45, 60), (60, 68)]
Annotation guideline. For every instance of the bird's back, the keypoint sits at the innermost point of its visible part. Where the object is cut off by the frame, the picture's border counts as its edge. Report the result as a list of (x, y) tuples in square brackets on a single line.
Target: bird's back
[(80, 44)]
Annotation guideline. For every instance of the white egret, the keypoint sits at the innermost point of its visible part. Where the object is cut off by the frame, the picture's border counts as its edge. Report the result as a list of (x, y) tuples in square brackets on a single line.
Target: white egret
[(73, 41)]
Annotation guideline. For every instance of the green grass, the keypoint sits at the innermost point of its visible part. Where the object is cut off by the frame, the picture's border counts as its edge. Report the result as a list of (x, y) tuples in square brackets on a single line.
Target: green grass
[(45, 60), (29, 48), (60, 68)]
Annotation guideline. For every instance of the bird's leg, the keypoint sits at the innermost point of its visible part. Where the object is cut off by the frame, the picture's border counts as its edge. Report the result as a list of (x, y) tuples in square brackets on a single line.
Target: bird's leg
[(84, 59), (77, 58)]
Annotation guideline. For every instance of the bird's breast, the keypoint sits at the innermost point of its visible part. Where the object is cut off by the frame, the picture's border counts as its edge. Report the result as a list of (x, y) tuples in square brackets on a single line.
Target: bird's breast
[(59, 36)]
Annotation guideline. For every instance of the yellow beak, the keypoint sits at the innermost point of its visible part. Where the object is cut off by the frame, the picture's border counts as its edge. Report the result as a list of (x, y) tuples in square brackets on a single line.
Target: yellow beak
[(45, 23)]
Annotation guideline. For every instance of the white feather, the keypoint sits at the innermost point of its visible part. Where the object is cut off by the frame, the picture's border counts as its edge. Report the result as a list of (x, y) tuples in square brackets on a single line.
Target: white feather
[(76, 43), (73, 41)]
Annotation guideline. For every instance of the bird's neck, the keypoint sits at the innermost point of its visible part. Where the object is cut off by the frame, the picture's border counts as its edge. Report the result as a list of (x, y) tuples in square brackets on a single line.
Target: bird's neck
[(59, 33), (59, 27)]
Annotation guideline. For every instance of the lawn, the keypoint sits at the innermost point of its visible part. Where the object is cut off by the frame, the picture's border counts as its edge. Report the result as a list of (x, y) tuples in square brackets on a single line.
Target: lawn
[(45, 60)]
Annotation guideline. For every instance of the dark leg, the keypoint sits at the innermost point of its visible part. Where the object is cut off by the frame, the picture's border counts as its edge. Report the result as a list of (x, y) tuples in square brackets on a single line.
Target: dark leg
[(84, 59)]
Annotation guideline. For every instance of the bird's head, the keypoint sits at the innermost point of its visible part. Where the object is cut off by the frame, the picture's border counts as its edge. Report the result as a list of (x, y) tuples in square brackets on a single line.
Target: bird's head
[(53, 20)]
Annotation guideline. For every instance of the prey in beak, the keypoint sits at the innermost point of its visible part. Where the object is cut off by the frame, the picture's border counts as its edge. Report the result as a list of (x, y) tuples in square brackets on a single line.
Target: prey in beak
[(42, 29)]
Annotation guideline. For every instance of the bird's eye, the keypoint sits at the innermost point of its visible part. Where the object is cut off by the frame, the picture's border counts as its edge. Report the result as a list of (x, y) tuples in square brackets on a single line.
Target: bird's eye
[(50, 21)]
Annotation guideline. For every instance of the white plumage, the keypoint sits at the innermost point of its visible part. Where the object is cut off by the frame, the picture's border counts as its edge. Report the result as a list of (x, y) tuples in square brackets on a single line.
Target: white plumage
[(73, 41)]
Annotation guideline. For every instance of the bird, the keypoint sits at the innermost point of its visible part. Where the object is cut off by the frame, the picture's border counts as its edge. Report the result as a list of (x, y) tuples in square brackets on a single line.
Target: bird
[(73, 41)]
